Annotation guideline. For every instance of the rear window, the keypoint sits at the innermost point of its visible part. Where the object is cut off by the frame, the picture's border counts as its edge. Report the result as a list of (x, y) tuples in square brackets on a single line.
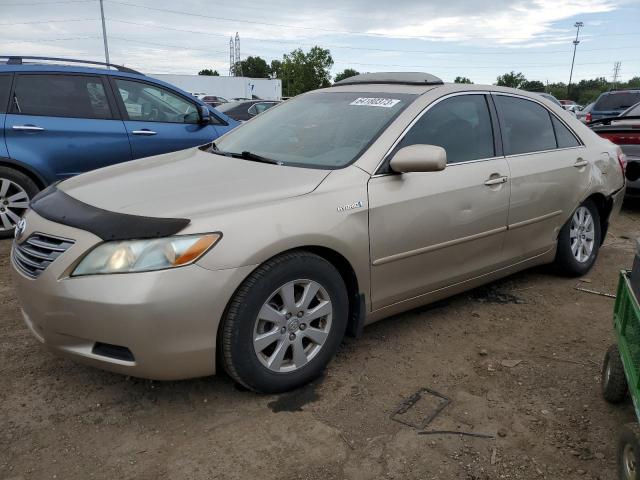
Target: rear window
[(75, 96), (5, 86), (617, 101)]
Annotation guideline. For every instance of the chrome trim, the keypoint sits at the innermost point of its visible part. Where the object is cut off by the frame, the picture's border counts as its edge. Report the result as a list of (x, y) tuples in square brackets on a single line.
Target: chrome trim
[(32, 256), (28, 128), (144, 132), (437, 246), (541, 218)]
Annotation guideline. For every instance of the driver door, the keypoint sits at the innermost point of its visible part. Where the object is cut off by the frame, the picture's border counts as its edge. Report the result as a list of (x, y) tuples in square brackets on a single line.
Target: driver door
[(158, 120)]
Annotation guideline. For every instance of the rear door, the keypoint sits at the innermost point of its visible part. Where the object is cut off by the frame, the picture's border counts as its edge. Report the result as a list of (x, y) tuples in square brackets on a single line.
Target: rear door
[(549, 174), (432, 230), (5, 89), (159, 120), (64, 124)]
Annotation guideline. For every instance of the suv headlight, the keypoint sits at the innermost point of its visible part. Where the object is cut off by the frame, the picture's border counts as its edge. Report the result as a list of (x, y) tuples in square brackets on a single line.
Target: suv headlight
[(146, 255)]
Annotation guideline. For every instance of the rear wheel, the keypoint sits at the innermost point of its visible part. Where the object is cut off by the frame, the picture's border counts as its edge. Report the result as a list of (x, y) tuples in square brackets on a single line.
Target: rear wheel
[(16, 190), (629, 452), (579, 240), (285, 323), (613, 381)]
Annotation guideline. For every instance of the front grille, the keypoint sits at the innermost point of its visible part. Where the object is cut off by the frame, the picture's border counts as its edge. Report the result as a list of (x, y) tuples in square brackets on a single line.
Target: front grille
[(37, 252)]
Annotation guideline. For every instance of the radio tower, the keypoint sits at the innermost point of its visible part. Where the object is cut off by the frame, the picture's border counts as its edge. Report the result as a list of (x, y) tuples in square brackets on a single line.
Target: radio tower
[(616, 73), (238, 69), (232, 57)]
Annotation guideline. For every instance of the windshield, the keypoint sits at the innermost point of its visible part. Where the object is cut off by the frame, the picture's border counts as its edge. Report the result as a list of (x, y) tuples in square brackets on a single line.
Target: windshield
[(617, 101), (633, 111), (228, 106), (319, 130)]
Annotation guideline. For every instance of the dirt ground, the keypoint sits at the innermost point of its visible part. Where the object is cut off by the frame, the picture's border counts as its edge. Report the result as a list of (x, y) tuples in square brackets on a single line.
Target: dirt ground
[(545, 415)]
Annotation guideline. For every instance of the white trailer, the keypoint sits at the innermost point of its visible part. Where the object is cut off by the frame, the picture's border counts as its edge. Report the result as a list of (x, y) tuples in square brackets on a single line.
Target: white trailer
[(227, 87)]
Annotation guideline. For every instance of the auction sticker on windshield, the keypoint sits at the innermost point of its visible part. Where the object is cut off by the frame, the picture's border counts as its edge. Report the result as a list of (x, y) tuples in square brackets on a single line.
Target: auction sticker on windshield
[(375, 102)]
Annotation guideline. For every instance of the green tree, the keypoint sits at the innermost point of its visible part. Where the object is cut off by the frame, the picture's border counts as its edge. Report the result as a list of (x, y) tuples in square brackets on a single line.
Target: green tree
[(254, 67), (301, 72), (209, 72), (633, 82), (462, 80), (511, 79), (346, 73), (532, 86)]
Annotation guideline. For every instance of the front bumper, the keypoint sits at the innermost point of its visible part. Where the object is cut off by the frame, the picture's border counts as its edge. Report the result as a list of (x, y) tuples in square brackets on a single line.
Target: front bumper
[(167, 319)]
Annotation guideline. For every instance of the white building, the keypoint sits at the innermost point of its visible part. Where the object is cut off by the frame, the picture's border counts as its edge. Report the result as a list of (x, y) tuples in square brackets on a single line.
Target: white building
[(227, 87)]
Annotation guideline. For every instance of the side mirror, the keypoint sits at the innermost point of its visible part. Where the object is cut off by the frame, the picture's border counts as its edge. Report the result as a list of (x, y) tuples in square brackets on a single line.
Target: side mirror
[(204, 114), (419, 158)]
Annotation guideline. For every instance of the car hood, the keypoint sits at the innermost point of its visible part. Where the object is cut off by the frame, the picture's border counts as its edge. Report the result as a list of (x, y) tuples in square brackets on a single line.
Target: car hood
[(188, 184)]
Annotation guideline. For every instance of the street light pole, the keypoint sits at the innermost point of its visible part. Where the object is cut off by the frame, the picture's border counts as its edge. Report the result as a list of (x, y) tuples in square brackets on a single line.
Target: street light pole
[(575, 46), (104, 33)]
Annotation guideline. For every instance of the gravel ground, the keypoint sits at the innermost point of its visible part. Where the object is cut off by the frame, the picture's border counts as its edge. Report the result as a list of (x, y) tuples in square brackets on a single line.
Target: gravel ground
[(519, 359)]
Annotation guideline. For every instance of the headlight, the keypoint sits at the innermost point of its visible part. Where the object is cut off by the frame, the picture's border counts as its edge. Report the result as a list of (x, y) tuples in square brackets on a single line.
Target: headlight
[(145, 255)]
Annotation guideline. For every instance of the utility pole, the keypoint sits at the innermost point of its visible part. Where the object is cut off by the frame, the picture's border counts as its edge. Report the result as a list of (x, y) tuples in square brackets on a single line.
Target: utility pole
[(616, 73), (578, 25), (238, 69), (104, 33)]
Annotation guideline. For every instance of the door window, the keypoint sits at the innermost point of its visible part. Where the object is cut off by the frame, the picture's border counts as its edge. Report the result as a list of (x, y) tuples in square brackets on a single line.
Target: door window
[(78, 96), (461, 125), (564, 137), (526, 126), (149, 103), (5, 87)]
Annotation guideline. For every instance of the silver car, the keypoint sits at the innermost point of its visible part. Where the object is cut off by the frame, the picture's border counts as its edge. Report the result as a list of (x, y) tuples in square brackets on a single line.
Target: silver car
[(328, 212)]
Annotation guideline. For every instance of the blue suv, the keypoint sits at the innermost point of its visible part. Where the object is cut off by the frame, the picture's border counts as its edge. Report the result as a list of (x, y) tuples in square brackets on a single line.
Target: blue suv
[(58, 120)]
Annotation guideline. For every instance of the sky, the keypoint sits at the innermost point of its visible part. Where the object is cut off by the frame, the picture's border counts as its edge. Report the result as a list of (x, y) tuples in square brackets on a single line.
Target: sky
[(478, 39)]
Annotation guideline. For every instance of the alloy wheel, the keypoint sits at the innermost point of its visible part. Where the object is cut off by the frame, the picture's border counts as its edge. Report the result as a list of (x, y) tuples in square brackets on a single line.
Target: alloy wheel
[(292, 325), (14, 200), (582, 234)]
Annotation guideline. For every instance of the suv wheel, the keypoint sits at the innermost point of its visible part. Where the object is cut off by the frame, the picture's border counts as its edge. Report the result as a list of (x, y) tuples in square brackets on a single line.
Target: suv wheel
[(16, 190), (284, 323), (579, 240)]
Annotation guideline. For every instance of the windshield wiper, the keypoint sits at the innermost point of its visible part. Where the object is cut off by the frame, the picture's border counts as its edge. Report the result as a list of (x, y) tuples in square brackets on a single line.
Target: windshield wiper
[(245, 155)]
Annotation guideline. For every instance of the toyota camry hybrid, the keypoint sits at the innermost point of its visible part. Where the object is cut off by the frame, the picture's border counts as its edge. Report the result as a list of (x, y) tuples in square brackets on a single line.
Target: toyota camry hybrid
[(258, 252)]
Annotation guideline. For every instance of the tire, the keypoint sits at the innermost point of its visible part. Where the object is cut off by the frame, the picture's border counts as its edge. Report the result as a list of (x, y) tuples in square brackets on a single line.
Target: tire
[(566, 260), (629, 452), (613, 380), (258, 324), (16, 185)]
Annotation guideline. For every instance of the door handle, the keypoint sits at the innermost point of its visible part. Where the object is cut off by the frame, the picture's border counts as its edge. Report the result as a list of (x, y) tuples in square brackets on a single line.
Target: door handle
[(28, 128), (580, 163), (144, 131), (496, 181)]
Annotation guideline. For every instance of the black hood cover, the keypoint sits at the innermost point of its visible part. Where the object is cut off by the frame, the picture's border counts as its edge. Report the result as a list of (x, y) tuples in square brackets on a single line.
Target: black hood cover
[(55, 205)]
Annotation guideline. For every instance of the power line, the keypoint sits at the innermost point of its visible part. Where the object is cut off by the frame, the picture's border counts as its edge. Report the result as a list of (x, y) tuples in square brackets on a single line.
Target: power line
[(349, 47), (47, 21), (44, 3), (268, 24)]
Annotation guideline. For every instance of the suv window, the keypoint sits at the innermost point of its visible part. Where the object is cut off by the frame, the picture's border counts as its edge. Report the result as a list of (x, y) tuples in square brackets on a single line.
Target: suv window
[(150, 103), (78, 96), (616, 100), (526, 126), (5, 87), (461, 125), (564, 137)]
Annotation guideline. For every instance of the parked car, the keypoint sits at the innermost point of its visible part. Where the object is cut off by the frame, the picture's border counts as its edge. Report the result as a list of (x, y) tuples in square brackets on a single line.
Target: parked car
[(63, 119), (612, 104), (624, 130), (566, 103), (340, 207), (246, 109), (584, 115), (550, 97), (213, 100), (573, 108)]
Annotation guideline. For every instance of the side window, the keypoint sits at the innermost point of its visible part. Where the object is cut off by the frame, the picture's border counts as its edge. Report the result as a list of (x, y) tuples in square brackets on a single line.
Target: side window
[(565, 138), (78, 96), (149, 103), (5, 87), (526, 126), (461, 125)]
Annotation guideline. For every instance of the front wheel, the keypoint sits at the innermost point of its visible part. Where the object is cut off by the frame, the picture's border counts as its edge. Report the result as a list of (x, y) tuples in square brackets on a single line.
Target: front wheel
[(579, 241), (284, 323), (629, 452), (613, 380), (16, 190)]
